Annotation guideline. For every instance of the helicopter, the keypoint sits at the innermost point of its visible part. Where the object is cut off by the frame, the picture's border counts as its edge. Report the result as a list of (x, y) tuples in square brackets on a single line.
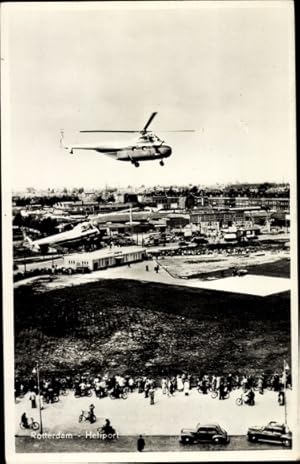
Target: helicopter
[(147, 147)]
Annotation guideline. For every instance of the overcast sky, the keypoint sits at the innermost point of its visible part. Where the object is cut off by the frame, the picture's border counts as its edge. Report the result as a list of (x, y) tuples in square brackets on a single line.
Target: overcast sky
[(223, 69)]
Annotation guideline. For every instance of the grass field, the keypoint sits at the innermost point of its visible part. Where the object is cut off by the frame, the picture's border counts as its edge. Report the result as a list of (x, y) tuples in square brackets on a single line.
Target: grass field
[(137, 327)]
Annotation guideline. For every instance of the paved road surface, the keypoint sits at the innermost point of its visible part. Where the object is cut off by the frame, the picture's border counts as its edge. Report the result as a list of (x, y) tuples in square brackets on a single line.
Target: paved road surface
[(250, 284), (128, 444), (166, 417)]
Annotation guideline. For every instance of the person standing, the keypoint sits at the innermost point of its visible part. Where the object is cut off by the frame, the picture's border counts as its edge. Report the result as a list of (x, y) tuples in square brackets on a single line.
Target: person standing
[(147, 388), (32, 398), (244, 383), (92, 414), (186, 387), (221, 391), (151, 394), (170, 390), (164, 385), (179, 383), (140, 443), (131, 384), (281, 398), (260, 385), (24, 420)]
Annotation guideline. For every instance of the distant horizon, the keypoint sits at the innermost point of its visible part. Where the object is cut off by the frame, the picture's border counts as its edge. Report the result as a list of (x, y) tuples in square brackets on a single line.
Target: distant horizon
[(144, 186)]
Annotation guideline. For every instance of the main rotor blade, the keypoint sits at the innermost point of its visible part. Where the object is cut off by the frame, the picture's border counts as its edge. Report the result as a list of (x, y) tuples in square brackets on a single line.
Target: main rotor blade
[(149, 122), (118, 131)]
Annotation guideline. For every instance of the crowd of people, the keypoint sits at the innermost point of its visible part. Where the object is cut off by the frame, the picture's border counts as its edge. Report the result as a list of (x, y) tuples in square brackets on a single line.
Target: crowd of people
[(119, 386), (51, 387)]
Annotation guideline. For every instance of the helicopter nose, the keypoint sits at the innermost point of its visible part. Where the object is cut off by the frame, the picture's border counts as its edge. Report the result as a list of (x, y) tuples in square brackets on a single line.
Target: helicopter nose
[(165, 150)]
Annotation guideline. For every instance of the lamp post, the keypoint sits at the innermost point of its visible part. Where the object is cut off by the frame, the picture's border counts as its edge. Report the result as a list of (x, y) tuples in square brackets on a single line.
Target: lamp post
[(36, 370)]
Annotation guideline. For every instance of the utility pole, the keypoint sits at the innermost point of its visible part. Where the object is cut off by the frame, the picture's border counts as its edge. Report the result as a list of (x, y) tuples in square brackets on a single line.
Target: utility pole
[(284, 390), (36, 371)]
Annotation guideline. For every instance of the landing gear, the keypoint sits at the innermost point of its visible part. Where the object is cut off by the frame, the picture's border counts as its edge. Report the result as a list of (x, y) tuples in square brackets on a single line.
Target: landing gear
[(136, 163), (161, 163), (71, 151)]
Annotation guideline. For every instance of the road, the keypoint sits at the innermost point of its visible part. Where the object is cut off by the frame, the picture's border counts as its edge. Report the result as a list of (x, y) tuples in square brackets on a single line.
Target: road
[(249, 284), (128, 444)]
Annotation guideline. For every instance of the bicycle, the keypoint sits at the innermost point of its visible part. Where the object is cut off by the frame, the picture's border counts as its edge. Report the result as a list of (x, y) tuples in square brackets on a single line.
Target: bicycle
[(240, 401), (109, 434), (64, 391), (86, 416), (215, 394), (53, 399), (34, 425), (113, 395), (86, 392), (206, 389)]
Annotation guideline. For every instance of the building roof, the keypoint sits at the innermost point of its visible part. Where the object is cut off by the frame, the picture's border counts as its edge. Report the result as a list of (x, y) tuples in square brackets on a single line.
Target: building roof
[(106, 253)]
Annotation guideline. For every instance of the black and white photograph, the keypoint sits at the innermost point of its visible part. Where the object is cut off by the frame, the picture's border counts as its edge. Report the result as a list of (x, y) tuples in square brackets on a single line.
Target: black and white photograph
[(149, 231)]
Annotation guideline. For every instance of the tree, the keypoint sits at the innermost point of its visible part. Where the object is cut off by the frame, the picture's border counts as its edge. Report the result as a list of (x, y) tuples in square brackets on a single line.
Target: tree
[(18, 220)]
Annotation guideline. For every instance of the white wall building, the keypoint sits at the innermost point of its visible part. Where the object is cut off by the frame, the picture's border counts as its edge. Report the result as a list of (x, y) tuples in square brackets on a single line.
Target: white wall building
[(107, 257)]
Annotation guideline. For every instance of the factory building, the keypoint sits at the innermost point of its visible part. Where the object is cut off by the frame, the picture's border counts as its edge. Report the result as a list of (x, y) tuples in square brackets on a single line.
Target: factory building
[(108, 257)]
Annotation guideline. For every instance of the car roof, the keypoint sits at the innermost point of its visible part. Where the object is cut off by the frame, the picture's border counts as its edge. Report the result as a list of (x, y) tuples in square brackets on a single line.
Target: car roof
[(208, 425)]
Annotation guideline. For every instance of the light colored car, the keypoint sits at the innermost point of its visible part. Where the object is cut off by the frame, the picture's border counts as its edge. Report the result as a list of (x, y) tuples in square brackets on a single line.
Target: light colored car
[(273, 432)]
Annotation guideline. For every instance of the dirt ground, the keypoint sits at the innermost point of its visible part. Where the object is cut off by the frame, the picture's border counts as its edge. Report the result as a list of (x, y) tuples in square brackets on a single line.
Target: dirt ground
[(198, 266)]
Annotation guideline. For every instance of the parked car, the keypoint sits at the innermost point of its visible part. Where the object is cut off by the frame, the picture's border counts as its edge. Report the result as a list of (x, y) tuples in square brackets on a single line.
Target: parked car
[(242, 272), (273, 432), (211, 433)]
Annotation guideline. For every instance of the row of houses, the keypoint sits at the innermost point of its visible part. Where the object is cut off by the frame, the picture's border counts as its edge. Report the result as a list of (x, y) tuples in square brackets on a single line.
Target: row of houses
[(172, 202)]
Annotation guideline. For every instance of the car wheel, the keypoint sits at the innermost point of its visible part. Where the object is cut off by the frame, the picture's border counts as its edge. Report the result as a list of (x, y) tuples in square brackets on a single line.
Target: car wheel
[(287, 443), (252, 438), (216, 440)]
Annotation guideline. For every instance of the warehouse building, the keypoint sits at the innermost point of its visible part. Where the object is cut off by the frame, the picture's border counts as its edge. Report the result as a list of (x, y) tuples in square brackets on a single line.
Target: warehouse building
[(107, 257)]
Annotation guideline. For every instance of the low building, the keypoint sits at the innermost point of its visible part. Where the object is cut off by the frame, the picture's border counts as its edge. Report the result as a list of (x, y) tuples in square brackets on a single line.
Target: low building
[(107, 257)]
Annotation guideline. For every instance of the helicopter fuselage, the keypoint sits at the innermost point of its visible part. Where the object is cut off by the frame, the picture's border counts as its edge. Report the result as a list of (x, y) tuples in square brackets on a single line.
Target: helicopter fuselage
[(141, 153)]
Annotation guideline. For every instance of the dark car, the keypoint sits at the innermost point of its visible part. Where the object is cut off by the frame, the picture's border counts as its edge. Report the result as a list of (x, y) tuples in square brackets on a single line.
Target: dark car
[(272, 433), (208, 433)]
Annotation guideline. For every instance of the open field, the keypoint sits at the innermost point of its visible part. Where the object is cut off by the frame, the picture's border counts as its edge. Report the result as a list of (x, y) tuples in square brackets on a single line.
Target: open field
[(147, 327), (219, 265)]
